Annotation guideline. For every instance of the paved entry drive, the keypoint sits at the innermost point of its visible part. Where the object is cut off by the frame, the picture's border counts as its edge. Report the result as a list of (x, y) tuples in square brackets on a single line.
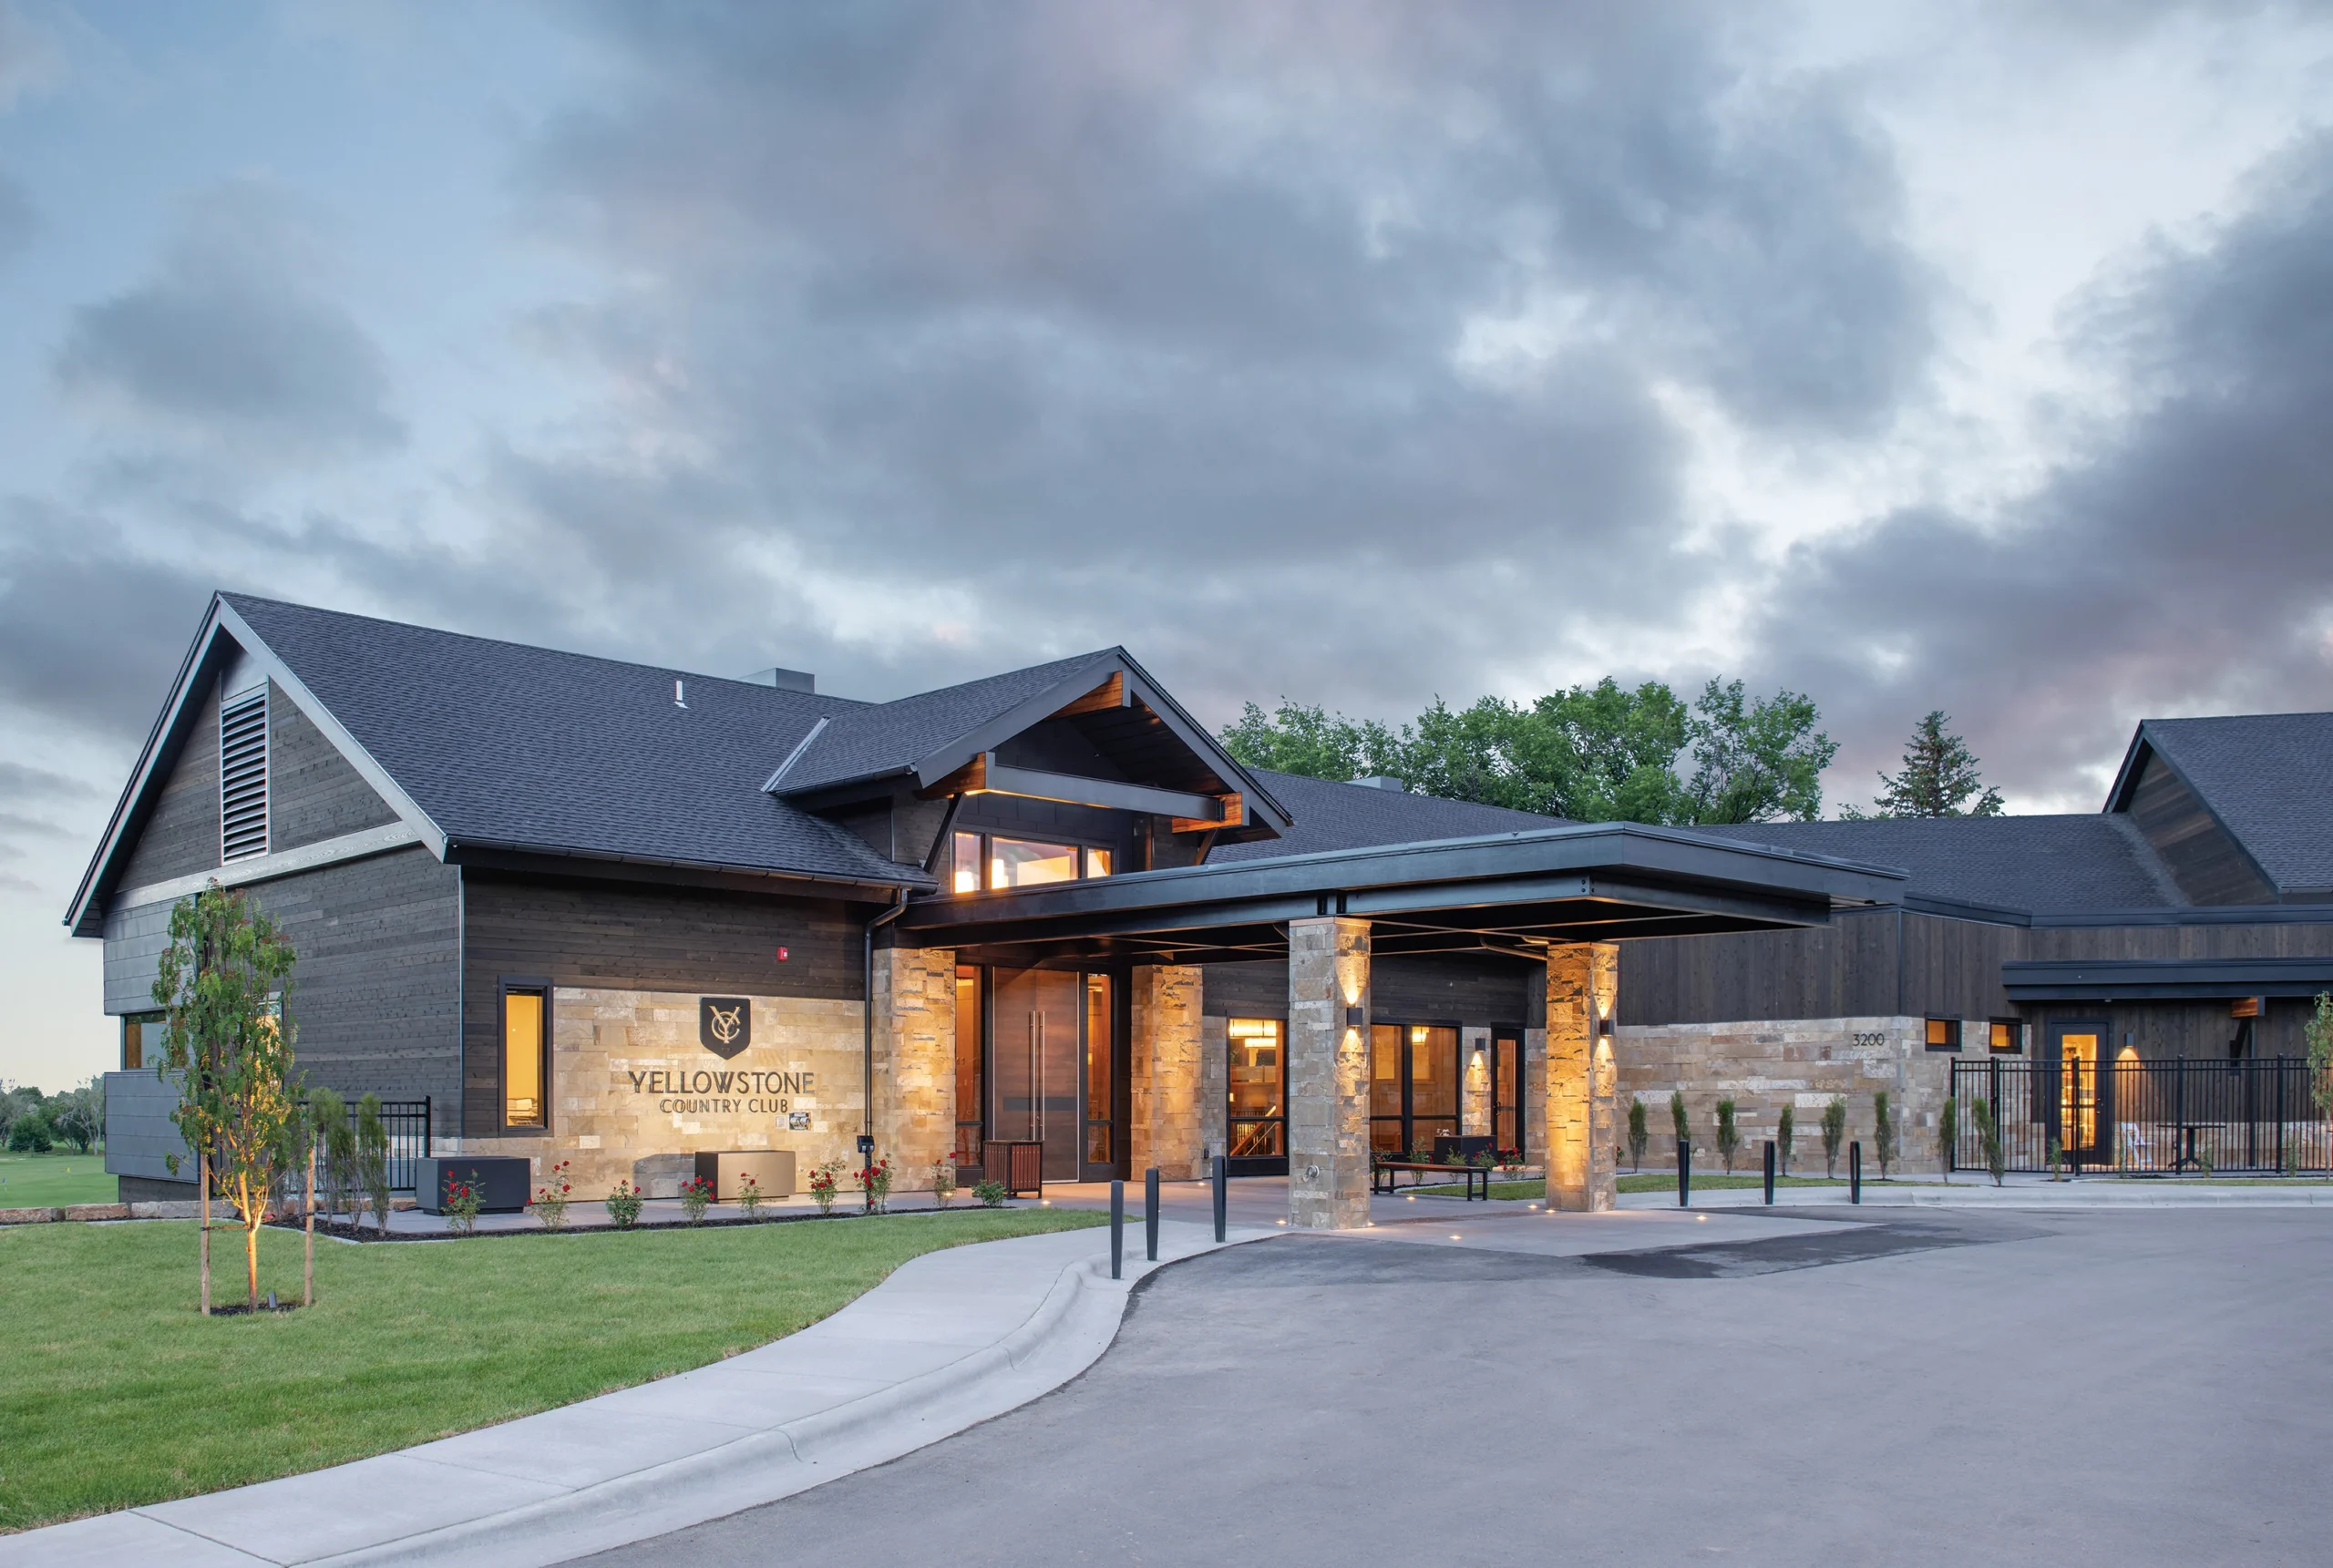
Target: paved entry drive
[(1900, 1387)]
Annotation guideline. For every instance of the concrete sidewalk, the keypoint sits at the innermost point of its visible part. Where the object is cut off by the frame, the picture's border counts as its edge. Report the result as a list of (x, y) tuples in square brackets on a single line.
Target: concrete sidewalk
[(1977, 1192), (950, 1340)]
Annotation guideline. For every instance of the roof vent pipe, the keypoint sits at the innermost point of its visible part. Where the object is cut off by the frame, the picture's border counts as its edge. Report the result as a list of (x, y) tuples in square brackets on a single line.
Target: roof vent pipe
[(783, 680), (680, 697)]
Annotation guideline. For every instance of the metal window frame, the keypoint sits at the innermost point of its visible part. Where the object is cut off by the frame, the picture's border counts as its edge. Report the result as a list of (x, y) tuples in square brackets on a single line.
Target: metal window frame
[(504, 985)]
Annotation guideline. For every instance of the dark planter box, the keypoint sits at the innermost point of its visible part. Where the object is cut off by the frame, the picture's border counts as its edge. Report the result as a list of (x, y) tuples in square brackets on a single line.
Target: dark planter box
[(501, 1179)]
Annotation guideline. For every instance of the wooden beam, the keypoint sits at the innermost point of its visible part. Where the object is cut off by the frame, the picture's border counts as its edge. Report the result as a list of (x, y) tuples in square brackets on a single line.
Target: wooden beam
[(1234, 812), (1109, 694), (972, 775)]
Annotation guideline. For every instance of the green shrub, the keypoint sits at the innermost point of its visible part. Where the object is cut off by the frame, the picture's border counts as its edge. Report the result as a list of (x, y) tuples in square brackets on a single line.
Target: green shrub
[(990, 1194), (1639, 1133), (1677, 1113), (1989, 1133), (623, 1204), (1834, 1133), (1947, 1135), (31, 1135), (1883, 1132), (1729, 1136), (1786, 1134)]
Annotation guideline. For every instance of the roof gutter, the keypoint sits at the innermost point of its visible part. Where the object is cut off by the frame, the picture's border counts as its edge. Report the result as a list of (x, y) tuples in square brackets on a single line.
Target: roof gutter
[(866, 1010)]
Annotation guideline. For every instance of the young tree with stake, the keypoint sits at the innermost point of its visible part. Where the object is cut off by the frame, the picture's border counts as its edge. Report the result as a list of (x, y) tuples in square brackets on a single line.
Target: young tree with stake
[(225, 980)]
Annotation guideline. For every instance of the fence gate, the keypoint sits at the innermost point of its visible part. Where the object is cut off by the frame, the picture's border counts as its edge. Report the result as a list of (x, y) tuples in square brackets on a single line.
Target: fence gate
[(2163, 1117)]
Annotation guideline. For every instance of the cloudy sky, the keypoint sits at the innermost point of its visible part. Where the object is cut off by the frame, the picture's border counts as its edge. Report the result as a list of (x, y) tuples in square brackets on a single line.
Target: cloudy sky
[(1961, 357)]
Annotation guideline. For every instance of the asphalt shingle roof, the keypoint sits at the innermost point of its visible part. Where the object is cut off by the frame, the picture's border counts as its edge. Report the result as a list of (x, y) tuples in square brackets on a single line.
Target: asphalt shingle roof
[(878, 739), (506, 744), (2269, 777), (1331, 816), (2047, 865)]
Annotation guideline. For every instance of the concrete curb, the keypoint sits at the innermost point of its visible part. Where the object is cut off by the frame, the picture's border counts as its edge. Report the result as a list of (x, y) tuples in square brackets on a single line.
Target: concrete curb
[(1069, 1328), (2084, 1196)]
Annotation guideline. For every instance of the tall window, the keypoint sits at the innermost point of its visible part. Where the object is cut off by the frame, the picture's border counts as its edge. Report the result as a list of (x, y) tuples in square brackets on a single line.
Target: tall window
[(141, 1037), (525, 1055), (992, 860), (1258, 1120), (967, 1063), (1098, 1036), (243, 776)]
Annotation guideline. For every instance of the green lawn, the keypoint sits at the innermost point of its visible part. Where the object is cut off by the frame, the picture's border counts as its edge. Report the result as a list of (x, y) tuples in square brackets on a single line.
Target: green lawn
[(115, 1392), (52, 1180)]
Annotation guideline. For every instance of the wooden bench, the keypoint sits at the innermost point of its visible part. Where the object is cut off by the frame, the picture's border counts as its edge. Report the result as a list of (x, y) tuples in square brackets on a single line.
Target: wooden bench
[(1382, 1174)]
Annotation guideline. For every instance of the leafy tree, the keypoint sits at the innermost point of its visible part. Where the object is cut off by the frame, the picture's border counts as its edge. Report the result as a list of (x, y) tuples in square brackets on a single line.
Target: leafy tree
[(1298, 739), (372, 1157), (1785, 1136), (1676, 1115), (1939, 778), (79, 1115), (335, 1149), (2318, 1032), (1883, 1132), (1834, 1133), (1755, 759), (225, 981), (30, 1133), (1640, 1134), (1729, 1135), (1989, 1133)]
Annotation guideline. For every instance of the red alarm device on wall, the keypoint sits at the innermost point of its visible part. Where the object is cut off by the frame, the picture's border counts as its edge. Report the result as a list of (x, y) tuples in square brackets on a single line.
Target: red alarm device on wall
[(781, 955)]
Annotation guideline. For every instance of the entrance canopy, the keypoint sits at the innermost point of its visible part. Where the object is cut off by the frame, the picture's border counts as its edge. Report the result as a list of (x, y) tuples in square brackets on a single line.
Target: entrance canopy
[(1510, 894)]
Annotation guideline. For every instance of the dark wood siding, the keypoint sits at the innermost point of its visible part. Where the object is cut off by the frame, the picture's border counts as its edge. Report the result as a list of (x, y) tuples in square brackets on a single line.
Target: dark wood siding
[(1846, 970), (624, 938), (180, 835), (1488, 991), (2158, 1030), (313, 793), (2208, 865)]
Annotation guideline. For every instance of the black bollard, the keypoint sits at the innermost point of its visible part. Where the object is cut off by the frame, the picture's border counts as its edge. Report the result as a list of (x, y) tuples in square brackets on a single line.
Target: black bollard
[(1684, 1172), (1770, 1173), (1855, 1172), (1222, 1198), (1117, 1228), (1150, 1213)]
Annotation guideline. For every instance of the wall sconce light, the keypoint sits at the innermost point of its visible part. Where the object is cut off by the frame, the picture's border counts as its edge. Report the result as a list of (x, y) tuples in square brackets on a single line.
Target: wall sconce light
[(1603, 1026), (1356, 1017)]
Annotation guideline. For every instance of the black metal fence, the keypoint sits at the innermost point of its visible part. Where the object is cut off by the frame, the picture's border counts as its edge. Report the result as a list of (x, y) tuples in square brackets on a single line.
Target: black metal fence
[(407, 1122), (2164, 1117)]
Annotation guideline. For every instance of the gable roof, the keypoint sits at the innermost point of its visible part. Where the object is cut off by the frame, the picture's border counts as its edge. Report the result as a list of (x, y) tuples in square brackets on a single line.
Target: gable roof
[(1330, 815), (2045, 865), (482, 744), (2266, 777)]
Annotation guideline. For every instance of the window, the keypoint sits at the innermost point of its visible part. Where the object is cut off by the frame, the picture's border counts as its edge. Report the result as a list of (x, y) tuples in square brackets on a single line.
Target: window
[(243, 776), (1098, 1036), (968, 1058), (140, 1032), (980, 860), (1944, 1034), (2006, 1035), (1258, 1121), (525, 1039)]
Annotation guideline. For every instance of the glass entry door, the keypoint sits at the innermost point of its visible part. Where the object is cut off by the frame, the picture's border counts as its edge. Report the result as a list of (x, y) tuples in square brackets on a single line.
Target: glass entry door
[(1035, 1057), (1507, 1092), (2081, 1110), (1257, 1114)]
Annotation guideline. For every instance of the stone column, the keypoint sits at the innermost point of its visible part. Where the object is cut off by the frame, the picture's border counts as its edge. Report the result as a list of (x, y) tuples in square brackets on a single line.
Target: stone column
[(1474, 1100), (1327, 1073), (915, 1061), (1164, 1121), (1582, 1112)]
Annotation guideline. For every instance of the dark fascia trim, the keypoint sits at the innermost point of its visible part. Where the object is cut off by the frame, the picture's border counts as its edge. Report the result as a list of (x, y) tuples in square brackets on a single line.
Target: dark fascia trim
[(2188, 915), (1138, 686), (1622, 852), (2164, 980), (2126, 784), (1964, 909), (221, 622), (1108, 795), (596, 865)]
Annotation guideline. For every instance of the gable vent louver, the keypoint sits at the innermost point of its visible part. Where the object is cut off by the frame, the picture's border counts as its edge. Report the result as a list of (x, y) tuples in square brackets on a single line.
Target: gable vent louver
[(243, 776)]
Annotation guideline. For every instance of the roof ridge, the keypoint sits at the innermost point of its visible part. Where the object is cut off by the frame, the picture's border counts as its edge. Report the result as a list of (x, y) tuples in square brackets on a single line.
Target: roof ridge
[(238, 600), (1111, 653)]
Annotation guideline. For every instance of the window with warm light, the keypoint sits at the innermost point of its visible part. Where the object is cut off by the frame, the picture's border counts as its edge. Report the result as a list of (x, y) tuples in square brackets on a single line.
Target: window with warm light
[(524, 1040), (990, 861), (1944, 1034), (2005, 1036), (1258, 1120)]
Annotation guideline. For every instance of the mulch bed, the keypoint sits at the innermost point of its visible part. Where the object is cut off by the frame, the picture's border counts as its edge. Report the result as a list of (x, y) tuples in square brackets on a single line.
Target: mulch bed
[(371, 1233)]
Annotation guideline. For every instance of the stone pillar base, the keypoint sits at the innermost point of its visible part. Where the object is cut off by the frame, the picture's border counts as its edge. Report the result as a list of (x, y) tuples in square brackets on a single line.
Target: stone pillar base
[(1327, 1073)]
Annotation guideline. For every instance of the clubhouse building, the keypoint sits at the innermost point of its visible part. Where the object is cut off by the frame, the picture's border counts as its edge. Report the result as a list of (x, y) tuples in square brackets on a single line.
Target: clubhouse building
[(574, 910)]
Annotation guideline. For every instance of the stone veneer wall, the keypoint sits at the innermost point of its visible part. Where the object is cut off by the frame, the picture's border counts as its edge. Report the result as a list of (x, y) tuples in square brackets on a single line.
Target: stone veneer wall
[(1801, 1062), (915, 1061), (602, 1123), (1475, 1096), (1215, 1092), (1165, 1122), (1327, 1073), (1581, 1108)]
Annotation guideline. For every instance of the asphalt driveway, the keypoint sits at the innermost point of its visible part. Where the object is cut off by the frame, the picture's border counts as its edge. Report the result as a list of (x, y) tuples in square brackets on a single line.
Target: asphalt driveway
[(1959, 1388)]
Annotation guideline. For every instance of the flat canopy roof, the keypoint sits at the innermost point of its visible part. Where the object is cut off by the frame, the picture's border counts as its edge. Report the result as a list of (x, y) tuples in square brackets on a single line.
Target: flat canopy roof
[(2164, 979), (1507, 893)]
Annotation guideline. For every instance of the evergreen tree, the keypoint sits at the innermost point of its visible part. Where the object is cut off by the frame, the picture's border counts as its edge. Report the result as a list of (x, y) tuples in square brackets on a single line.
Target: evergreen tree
[(1939, 777)]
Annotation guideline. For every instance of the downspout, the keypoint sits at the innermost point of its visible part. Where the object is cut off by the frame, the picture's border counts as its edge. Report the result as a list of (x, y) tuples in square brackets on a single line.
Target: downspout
[(867, 1056)]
